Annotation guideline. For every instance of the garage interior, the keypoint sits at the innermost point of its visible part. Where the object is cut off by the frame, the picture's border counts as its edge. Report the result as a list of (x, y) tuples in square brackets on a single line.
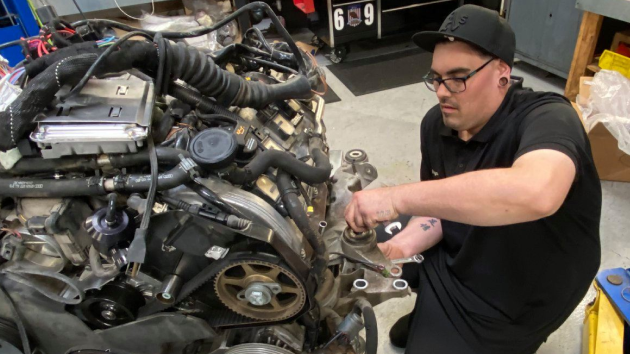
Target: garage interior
[(375, 99)]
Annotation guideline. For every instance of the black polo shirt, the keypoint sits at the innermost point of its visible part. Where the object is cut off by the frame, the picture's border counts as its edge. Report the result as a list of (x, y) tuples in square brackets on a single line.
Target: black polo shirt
[(507, 288)]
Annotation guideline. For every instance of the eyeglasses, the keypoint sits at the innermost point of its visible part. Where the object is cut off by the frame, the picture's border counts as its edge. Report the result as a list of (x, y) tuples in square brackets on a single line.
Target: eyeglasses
[(452, 84)]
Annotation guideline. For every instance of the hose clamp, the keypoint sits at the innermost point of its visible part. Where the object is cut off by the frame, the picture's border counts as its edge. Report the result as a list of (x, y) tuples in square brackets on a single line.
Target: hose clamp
[(187, 164)]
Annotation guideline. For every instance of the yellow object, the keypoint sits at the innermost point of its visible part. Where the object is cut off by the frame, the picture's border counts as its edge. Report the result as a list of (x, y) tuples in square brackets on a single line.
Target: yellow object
[(613, 61), (310, 210), (603, 327)]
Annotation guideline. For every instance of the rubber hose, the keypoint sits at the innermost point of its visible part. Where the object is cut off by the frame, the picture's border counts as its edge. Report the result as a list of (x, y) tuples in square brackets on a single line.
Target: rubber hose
[(290, 197), (319, 173), (198, 101), (97, 266), (33, 165), (166, 156), (141, 183), (51, 188), (371, 328)]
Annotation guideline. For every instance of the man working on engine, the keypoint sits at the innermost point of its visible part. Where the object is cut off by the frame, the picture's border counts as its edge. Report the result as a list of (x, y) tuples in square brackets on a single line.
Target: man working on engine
[(512, 241)]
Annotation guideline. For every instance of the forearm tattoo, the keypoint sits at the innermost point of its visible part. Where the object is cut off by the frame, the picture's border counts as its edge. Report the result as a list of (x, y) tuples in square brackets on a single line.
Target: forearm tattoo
[(430, 224)]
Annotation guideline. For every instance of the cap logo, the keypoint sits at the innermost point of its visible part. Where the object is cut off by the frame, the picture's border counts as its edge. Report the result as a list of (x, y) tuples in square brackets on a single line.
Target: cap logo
[(453, 22)]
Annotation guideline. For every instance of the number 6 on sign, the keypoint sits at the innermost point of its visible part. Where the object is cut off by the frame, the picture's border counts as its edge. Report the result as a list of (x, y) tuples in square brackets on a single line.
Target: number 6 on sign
[(339, 20), (369, 14)]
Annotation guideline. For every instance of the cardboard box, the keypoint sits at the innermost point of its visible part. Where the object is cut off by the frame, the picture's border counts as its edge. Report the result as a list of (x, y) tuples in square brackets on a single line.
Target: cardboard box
[(612, 164)]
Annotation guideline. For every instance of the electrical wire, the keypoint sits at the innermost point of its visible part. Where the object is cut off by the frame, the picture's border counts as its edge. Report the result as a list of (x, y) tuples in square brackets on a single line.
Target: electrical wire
[(136, 18), (99, 60), (83, 15), (205, 30), (26, 346), (272, 65), (30, 5), (16, 75), (316, 65)]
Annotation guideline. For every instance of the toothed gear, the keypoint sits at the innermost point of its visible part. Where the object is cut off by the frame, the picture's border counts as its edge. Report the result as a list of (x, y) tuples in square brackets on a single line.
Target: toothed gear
[(237, 276)]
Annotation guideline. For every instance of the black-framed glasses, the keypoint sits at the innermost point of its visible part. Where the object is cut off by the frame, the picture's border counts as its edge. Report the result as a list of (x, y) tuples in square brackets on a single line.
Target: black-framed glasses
[(452, 84)]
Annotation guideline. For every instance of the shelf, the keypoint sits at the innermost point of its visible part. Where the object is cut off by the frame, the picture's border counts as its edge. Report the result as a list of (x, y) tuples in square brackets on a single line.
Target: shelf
[(617, 9)]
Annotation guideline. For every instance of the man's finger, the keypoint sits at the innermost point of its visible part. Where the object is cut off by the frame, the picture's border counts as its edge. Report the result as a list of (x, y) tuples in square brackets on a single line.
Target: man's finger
[(358, 221), (349, 214), (370, 224)]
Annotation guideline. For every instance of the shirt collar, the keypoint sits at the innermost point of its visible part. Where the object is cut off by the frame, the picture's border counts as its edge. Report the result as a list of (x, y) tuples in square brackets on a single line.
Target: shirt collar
[(488, 130)]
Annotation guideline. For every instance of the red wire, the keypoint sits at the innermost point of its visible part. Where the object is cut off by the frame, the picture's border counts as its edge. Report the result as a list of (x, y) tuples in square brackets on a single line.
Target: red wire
[(44, 48), (39, 49)]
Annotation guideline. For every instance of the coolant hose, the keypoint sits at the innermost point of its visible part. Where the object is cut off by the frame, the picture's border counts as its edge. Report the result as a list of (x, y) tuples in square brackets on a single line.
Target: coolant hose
[(97, 266), (136, 183), (290, 197), (286, 162), (364, 307), (54, 188), (51, 188), (33, 165), (166, 156)]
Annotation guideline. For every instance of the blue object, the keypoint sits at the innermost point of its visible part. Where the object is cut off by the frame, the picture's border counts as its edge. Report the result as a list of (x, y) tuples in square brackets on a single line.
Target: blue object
[(25, 26), (619, 295)]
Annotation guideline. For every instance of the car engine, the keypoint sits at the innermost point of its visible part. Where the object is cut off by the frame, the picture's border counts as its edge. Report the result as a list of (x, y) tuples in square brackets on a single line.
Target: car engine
[(156, 198)]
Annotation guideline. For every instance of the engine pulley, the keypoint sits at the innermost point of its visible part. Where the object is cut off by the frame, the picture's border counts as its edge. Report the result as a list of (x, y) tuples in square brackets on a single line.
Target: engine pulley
[(114, 304), (260, 290)]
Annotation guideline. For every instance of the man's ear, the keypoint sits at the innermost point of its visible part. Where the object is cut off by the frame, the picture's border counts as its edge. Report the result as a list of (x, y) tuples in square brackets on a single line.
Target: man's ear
[(504, 69)]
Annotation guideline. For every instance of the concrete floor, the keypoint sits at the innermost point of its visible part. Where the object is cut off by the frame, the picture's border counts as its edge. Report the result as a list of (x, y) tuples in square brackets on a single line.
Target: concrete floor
[(386, 124)]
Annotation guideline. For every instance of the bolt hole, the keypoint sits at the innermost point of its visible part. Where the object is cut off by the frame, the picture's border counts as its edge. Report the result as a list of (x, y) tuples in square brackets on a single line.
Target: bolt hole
[(360, 284)]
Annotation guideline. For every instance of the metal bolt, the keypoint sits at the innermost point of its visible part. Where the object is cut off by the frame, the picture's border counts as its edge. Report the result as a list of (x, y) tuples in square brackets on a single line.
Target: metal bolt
[(108, 315), (257, 298)]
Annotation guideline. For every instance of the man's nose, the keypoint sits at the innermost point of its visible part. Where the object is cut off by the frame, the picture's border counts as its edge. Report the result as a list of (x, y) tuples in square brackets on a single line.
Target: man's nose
[(443, 92)]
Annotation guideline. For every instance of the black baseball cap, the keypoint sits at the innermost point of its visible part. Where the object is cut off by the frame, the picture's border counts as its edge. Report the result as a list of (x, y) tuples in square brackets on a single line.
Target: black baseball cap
[(474, 25)]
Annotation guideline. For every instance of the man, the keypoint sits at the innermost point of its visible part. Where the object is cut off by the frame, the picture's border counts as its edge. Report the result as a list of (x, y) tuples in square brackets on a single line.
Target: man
[(513, 198)]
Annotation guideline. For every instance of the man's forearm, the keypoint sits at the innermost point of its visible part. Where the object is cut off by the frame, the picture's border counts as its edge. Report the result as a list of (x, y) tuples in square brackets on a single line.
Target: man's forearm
[(420, 234), (486, 198)]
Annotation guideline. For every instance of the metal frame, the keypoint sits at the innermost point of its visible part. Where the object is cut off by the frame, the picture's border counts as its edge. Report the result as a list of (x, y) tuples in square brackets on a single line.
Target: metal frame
[(617, 9), (415, 5), (331, 29)]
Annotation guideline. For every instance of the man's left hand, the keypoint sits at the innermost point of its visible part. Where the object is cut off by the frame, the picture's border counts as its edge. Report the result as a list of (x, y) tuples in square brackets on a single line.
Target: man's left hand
[(370, 207)]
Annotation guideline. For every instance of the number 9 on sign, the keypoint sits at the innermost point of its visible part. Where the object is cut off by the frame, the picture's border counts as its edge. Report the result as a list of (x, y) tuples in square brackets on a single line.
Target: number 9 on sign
[(369, 14), (340, 20)]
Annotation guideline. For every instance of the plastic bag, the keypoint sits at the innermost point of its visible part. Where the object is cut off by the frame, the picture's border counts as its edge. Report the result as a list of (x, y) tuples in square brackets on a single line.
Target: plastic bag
[(213, 41), (209, 12), (609, 104)]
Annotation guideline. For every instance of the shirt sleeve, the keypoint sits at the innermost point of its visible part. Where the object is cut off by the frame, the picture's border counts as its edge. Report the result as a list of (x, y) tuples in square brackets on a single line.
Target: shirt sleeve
[(554, 126), (425, 165)]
